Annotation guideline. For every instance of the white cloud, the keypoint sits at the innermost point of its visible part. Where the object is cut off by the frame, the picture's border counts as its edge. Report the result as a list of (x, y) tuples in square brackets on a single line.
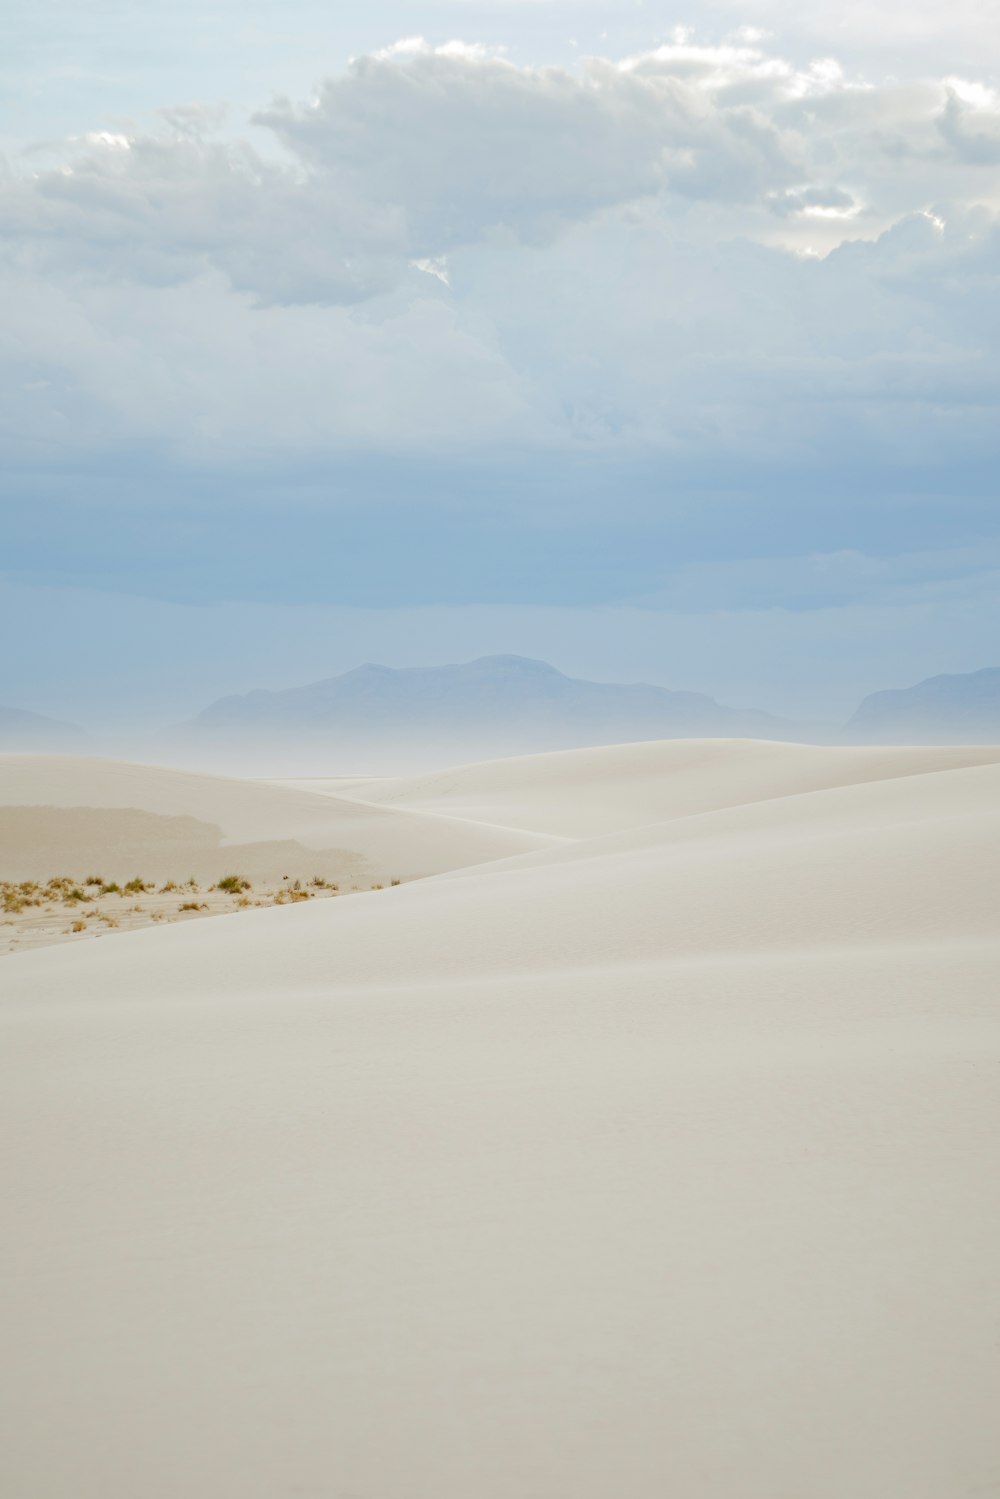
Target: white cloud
[(107, 138), (971, 127), (418, 150), (978, 95), (701, 249), (435, 265)]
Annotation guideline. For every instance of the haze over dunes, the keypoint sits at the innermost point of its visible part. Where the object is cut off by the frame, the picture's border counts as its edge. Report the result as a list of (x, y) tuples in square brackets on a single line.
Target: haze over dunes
[(663, 1151), (379, 716), (391, 720)]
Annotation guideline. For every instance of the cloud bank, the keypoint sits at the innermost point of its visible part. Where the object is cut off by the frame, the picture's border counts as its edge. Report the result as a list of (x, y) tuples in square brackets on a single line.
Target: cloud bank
[(678, 249)]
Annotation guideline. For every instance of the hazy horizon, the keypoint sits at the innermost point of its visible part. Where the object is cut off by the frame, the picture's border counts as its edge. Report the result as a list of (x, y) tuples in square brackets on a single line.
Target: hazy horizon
[(154, 664)]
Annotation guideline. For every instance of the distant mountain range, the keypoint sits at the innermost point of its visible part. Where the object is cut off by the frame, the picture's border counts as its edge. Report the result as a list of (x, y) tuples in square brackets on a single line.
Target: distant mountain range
[(493, 706), (378, 719), (502, 705), (20, 730), (956, 709)]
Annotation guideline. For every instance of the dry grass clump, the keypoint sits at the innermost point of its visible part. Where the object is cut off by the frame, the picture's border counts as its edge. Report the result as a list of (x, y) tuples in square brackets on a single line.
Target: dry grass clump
[(192, 905), (233, 884), (66, 890), (17, 896), (13, 901), (292, 895)]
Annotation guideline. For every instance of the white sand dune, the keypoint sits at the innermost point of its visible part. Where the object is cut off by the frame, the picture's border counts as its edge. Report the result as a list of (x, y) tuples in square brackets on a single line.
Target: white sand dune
[(659, 1161), (180, 822), (581, 793)]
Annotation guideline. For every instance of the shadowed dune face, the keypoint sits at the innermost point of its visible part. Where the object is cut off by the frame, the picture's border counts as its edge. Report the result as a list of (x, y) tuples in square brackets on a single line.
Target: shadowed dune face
[(50, 805), (656, 1157), (37, 840)]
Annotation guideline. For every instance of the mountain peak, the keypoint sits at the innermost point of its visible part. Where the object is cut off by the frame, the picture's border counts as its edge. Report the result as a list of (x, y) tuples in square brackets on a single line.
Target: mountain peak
[(954, 707)]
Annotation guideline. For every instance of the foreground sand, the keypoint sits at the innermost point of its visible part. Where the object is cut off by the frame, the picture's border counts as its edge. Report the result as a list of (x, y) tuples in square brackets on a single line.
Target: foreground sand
[(659, 1159)]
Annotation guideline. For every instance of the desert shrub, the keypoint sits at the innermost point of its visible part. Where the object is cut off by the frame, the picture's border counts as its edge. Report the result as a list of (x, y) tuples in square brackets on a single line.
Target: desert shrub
[(94, 879), (137, 887), (394, 882), (233, 884), (78, 926), (27, 893), (111, 889), (192, 905), (168, 888), (74, 895)]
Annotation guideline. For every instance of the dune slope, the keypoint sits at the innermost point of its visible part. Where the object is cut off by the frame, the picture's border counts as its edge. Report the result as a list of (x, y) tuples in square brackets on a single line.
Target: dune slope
[(179, 823), (581, 793), (660, 1161)]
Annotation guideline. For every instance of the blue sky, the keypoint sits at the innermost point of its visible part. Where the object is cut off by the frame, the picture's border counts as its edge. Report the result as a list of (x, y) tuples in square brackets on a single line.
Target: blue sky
[(661, 343)]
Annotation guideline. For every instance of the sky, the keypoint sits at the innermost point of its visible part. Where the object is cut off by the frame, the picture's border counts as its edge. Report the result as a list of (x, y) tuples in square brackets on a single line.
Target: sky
[(660, 342)]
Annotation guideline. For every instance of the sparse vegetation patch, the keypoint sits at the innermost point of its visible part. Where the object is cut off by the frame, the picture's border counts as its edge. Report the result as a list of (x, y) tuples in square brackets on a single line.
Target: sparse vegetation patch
[(33, 912)]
